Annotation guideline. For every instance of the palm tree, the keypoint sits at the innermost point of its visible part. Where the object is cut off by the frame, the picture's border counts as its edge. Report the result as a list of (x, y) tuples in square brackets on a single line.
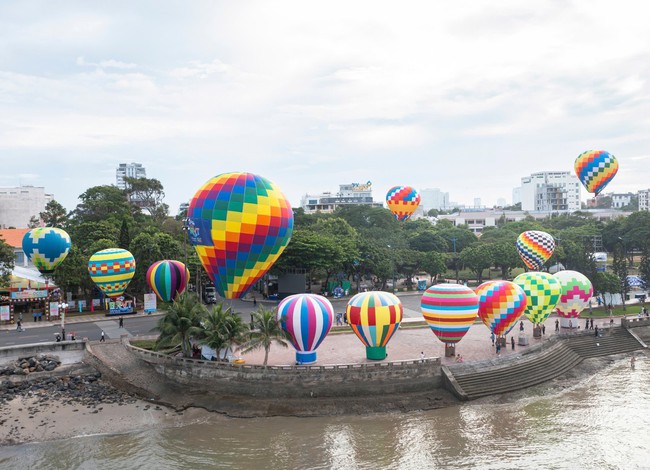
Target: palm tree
[(265, 330), (182, 320), (221, 329)]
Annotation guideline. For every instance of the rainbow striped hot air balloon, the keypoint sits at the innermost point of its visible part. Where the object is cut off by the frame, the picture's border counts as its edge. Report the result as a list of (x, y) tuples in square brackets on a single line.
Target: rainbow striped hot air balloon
[(168, 279), (112, 270), (449, 309), (239, 224), (46, 247), (542, 294), (595, 169), (374, 318), (576, 293), (402, 201), (501, 304), (307, 318), (535, 248)]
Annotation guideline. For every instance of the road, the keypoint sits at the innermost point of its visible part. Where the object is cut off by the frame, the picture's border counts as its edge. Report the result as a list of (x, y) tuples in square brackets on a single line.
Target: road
[(142, 325)]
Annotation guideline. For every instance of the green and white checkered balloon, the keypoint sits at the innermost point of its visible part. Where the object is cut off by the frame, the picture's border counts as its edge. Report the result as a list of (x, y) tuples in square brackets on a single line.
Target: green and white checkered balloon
[(542, 294)]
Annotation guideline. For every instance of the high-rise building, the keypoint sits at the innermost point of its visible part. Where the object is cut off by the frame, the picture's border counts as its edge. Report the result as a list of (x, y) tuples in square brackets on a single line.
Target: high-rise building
[(130, 170), (348, 194), (550, 191), (433, 199), (644, 200), (19, 205)]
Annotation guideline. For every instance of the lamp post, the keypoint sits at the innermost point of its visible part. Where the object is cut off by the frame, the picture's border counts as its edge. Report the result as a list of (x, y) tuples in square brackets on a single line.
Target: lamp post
[(62, 309)]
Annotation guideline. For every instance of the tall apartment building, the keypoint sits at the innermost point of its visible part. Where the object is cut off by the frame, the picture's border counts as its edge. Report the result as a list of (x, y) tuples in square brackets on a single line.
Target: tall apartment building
[(644, 200), (433, 198), (348, 194), (550, 191), (131, 170), (19, 205), (621, 199)]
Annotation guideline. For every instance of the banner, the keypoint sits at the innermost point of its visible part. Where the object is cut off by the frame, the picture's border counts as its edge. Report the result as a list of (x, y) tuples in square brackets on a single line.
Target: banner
[(97, 302), (149, 303), (29, 294), (4, 312), (54, 309), (120, 305)]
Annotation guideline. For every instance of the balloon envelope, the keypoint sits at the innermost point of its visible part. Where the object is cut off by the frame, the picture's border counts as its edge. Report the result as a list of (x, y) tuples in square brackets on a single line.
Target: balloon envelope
[(449, 309), (535, 248), (402, 201), (239, 224), (374, 318), (501, 304), (542, 294), (168, 279), (307, 318), (46, 247), (576, 293), (112, 270), (595, 169)]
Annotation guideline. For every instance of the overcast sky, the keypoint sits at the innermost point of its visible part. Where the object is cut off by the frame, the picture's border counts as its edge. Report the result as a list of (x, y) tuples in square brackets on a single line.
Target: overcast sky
[(463, 96)]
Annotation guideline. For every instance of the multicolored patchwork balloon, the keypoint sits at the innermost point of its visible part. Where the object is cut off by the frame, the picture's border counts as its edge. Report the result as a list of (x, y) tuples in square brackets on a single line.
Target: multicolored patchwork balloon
[(595, 169), (449, 309), (307, 318), (501, 304), (374, 317), (576, 293), (168, 279), (542, 294), (46, 247), (112, 270), (535, 248), (402, 201), (239, 224)]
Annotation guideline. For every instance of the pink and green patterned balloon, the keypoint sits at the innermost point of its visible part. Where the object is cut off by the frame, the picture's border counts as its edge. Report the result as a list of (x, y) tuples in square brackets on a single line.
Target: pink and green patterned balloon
[(576, 293), (542, 294)]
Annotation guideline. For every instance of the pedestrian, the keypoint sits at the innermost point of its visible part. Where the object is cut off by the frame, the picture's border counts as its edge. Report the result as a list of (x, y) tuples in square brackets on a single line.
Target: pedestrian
[(492, 336), (72, 336), (102, 339), (557, 325), (543, 329), (58, 338), (422, 356), (587, 324), (19, 327), (121, 322), (521, 325), (254, 301), (498, 347), (611, 321), (591, 324), (512, 341), (570, 324), (596, 332), (632, 362)]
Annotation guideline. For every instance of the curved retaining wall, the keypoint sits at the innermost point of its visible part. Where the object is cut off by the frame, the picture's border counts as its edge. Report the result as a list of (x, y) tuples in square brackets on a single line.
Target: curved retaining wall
[(298, 381), (68, 352)]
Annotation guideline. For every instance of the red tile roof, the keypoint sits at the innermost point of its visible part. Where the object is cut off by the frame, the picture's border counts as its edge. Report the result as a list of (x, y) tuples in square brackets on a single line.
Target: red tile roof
[(13, 236)]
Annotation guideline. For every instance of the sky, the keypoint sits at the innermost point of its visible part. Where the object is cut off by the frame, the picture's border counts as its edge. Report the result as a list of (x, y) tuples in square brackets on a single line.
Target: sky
[(466, 96)]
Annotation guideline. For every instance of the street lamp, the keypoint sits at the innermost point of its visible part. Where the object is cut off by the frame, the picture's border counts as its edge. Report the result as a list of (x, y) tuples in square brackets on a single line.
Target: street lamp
[(62, 309)]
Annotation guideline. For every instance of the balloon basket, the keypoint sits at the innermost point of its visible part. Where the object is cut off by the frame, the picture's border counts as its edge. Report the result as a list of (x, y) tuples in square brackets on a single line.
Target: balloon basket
[(304, 358), (569, 322), (450, 349), (537, 331), (376, 353), (503, 341)]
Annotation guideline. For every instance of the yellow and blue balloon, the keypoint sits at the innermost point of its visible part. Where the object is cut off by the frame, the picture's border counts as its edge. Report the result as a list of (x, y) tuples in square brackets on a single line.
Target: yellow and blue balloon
[(112, 270)]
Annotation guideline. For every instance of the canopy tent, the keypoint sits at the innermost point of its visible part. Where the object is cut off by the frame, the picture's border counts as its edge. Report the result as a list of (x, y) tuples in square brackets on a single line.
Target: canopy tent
[(26, 278), (635, 281)]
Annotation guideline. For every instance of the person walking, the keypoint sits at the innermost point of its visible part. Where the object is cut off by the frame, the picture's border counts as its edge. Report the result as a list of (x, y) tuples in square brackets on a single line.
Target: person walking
[(492, 336), (512, 341), (632, 362), (19, 327), (422, 356), (102, 339), (591, 324), (587, 324), (543, 329), (121, 322), (521, 325), (596, 332), (498, 347), (557, 325)]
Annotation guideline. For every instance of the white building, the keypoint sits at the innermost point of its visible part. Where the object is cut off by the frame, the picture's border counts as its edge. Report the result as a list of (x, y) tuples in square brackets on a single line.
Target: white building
[(550, 191), (131, 170), (433, 198), (644, 200), (621, 199), (19, 205), (348, 194)]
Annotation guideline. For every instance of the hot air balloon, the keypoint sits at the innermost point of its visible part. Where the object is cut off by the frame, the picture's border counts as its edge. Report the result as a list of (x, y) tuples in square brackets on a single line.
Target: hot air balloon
[(449, 309), (239, 224), (535, 248), (168, 279), (307, 318), (595, 169), (501, 304), (374, 317), (46, 247), (112, 270), (542, 295), (576, 293), (402, 201)]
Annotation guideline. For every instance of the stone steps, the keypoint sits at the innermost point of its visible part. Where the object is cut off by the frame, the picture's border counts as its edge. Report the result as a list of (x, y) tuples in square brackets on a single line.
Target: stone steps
[(526, 371)]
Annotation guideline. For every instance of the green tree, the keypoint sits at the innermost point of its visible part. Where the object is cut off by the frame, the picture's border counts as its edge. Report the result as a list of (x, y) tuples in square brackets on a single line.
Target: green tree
[(54, 215), (7, 259), (147, 194), (606, 283), (505, 257), (477, 258), (103, 203), (265, 330), (644, 264), (619, 266), (181, 321), (221, 329), (433, 264), (125, 236)]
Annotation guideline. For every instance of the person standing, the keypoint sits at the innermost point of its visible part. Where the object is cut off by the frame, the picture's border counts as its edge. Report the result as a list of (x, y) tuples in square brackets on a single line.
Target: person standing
[(596, 332), (102, 339), (632, 362), (587, 324), (121, 322), (557, 325), (543, 329), (422, 356), (19, 327), (512, 341), (591, 324), (498, 347), (521, 325)]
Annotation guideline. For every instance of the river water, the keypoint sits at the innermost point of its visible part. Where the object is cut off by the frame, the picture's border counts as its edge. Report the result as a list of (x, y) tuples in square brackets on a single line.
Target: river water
[(599, 422)]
